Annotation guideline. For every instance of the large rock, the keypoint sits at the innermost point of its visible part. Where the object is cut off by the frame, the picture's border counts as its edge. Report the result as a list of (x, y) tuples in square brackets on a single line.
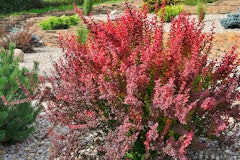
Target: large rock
[(18, 54)]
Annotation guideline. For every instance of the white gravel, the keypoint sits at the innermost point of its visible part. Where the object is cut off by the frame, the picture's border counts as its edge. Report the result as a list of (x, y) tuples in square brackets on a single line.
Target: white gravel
[(46, 56)]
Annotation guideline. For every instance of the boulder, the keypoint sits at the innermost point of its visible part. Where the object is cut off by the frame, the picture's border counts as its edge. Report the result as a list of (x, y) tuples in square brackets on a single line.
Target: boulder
[(18, 54), (114, 12)]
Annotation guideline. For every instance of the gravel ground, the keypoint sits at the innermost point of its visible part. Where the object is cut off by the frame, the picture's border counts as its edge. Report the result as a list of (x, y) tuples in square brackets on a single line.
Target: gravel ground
[(46, 56), (37, 146)]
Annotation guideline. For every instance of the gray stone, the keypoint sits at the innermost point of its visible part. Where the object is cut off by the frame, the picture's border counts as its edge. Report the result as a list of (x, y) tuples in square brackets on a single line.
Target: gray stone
[(31, 156), (18, 54), (114, 12)]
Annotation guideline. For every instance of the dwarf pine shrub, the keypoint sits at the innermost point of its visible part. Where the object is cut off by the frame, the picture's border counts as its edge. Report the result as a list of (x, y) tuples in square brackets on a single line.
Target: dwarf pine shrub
[(156, 97), (15, 118)]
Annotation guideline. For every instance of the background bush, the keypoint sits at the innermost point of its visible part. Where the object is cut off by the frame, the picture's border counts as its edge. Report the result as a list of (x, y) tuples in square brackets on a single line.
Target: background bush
[(62, 22), (8, 6), (232, 21), (16, 119), (171, 12), (61, 2)]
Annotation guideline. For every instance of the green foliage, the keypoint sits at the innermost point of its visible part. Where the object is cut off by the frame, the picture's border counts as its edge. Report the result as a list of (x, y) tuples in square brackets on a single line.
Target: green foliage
[(87, 6), (190, 2), (15, 118), (70, 20), (201, 11), (82, 34), (61, 2), (195, 2), (171, 12), (50, 5), (62, 22)]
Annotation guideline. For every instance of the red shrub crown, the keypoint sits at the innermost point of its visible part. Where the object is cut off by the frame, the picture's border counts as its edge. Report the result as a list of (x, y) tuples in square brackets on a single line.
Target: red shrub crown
[(162, 94)]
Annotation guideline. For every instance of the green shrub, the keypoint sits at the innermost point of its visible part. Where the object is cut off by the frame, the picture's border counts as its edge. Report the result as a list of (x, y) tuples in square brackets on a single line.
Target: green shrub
[(171, 12), (194, 2), (70, 20), (53, 23), (62, 22), (82, 34), (190, 2), (87, 6), (15, 118)]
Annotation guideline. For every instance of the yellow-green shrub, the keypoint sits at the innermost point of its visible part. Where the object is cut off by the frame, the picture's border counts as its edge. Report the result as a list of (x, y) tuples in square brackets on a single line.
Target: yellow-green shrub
[(62, 22), (171, 12), (152, 3)]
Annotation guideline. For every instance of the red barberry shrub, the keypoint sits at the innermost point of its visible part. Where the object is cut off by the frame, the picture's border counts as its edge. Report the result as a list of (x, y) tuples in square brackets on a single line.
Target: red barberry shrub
[(156, 98)]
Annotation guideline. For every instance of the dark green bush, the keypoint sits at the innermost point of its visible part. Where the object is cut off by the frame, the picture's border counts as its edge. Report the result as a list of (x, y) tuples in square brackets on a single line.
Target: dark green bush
[(194, 2), (8, 6), (55, 3), (62, 22), (15, 119), (232, 21)]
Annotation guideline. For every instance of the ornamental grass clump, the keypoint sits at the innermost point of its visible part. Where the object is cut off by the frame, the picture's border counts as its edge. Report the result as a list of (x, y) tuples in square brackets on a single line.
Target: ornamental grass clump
[(22, 37), (155, 98)]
